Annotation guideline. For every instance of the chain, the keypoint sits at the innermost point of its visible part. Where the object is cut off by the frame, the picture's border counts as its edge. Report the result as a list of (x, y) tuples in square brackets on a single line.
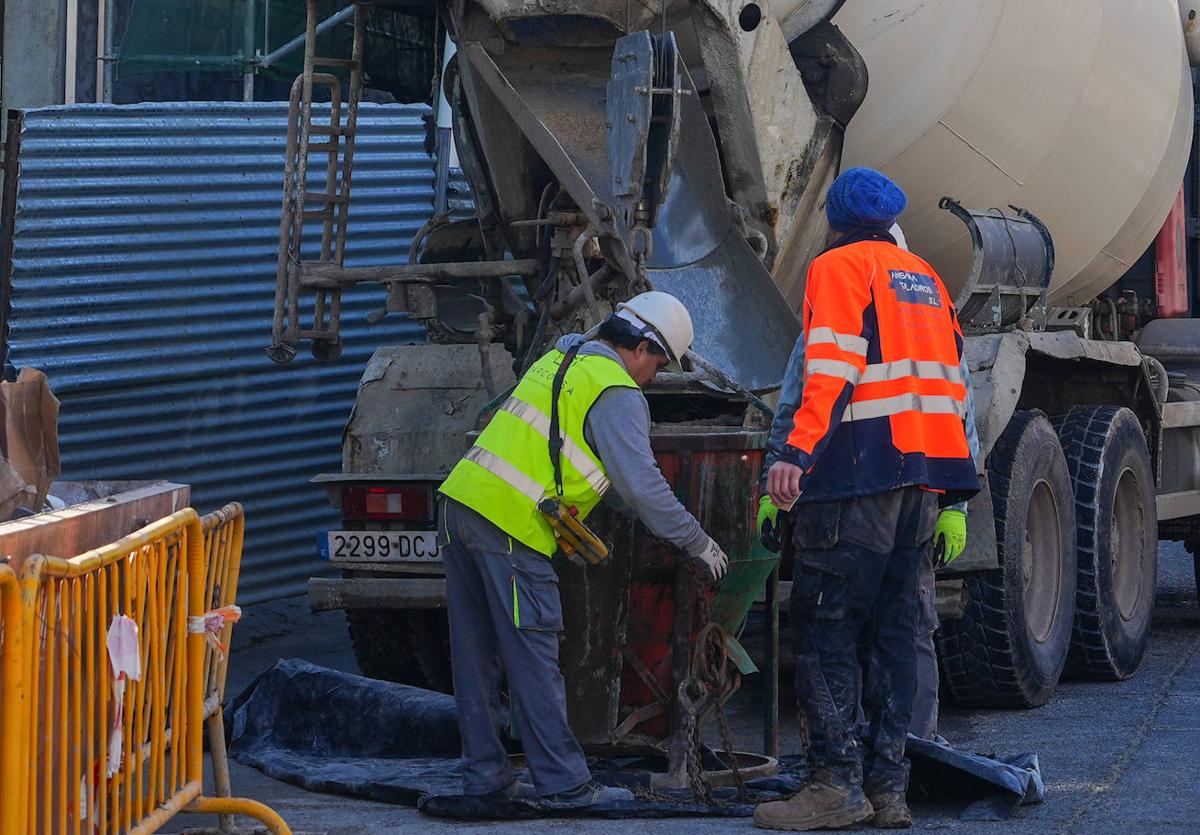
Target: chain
[(640, 283), (691, 699), (641, 246), (709, 673), (708, 676)]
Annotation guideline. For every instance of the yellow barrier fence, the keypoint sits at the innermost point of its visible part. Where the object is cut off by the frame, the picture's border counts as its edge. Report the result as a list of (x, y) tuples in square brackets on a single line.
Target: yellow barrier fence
[(12, 699), (224, 532), (115, 671)]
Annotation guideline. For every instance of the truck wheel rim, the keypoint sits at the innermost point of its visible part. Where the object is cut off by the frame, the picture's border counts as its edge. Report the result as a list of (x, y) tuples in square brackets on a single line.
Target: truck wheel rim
[(1042, 562), (1126, 544)]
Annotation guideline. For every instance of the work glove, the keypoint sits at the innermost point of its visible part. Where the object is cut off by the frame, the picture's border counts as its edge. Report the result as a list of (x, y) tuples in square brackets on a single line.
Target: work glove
[(768, 524), (949, 536), (714, 560)]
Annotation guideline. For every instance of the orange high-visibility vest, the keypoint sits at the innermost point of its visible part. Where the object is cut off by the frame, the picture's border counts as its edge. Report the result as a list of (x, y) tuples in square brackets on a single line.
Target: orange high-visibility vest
[(884, 398)]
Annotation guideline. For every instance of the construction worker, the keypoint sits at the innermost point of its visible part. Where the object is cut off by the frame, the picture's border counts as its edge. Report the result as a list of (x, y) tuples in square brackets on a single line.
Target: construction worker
[(949, 539), (877, 444), (501, 587)]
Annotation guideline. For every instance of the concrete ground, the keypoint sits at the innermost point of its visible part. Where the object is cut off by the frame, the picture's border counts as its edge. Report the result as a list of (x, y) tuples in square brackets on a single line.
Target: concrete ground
[(1117, 757)]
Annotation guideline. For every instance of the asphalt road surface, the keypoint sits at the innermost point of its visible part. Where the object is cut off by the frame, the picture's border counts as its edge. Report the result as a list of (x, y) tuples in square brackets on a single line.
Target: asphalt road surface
[(1117, 757)]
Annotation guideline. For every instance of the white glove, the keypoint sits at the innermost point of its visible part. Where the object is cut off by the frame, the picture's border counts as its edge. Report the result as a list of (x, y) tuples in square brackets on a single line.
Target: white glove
[(714, 560)]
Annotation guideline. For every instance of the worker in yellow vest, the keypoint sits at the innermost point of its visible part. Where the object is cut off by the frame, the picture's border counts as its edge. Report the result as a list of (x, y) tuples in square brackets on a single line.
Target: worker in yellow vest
[(501, 587)]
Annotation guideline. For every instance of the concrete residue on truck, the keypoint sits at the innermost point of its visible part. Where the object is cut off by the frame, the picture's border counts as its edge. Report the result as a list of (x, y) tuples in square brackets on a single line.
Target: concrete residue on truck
[(612, 148)]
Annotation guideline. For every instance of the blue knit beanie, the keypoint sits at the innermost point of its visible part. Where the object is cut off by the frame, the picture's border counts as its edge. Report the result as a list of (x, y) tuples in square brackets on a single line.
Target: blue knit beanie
[(863, 197)]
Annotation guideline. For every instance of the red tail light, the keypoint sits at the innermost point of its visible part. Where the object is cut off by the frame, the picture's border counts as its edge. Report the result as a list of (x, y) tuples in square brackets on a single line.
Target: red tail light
[(401, 502)]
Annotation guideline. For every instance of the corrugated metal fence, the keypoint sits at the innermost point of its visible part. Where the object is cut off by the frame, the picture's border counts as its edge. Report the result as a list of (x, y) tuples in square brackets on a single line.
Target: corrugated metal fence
[(143, 261)]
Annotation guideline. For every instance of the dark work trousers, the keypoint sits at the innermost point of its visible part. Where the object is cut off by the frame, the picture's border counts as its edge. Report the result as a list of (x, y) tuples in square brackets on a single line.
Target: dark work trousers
[(925, 702), (505, 610), (855, 573)]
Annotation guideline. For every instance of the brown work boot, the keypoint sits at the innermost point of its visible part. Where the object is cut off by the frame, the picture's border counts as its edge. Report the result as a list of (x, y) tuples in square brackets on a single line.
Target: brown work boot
[(891, 811), (816, 806)]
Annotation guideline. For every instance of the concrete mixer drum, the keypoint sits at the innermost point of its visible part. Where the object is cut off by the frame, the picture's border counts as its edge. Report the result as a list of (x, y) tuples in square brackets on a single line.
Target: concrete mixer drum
[(1012, 261)]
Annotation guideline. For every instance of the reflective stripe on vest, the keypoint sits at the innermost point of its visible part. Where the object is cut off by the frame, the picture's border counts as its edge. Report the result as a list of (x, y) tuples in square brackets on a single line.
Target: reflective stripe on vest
[(926, 404), (541, 424), (505, 471), (923, 369), (881, 372), (853, 343), (508, 470), (833, 368)]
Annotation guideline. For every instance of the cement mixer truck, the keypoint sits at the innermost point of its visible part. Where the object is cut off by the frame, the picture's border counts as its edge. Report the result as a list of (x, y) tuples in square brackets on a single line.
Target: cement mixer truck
[(686, 146)]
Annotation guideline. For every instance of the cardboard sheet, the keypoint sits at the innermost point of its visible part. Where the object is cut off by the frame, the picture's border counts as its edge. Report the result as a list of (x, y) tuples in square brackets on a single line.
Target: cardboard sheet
[(29, 443)]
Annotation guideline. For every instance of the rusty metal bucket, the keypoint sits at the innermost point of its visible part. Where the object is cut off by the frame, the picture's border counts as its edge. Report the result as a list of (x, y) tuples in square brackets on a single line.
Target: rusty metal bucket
[(620, 617)]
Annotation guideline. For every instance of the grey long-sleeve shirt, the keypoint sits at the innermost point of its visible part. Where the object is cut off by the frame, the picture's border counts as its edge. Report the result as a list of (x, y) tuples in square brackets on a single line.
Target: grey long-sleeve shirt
[(618, 429)]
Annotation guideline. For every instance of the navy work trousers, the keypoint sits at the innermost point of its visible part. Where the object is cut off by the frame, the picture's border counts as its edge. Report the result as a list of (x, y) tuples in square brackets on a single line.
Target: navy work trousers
[(925, 703), (855, 575), (505, 610)]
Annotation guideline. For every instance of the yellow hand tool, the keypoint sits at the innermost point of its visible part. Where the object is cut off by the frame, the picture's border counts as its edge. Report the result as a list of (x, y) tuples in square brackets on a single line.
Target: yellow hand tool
[(576, 540)]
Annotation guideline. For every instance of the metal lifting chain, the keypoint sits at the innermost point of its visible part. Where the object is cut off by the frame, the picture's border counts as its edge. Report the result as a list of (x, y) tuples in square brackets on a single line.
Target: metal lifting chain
[(709, 674), (691, 698), (641, 246), (640, 284)]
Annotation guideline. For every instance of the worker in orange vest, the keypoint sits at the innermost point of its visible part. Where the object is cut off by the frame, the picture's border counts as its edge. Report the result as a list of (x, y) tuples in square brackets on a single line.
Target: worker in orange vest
[(876, 447), (949, 538)]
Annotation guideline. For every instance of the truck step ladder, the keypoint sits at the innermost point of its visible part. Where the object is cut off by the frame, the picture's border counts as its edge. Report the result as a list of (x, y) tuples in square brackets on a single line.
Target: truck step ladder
[(330, 206)]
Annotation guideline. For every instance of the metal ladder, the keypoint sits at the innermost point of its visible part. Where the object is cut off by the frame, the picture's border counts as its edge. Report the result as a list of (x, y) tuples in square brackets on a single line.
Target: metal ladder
[(336, 141)]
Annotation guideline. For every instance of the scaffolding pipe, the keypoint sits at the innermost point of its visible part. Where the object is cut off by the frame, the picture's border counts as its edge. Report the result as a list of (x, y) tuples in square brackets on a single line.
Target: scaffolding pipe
[(110, 41), (72, 49), (104, 36), (298, 41), (446, 153), (248, 53)]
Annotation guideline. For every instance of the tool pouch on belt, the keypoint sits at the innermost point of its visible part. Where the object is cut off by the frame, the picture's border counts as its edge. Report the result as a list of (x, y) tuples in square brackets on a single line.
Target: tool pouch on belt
[(575, 539)]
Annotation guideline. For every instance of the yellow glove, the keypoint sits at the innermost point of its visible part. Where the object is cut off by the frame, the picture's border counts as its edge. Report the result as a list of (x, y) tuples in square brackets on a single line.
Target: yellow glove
[(950, 535), (768, 524)]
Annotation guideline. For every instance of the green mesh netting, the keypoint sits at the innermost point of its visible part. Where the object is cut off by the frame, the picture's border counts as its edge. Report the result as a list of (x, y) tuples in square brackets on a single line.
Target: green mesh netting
[(400, 52)]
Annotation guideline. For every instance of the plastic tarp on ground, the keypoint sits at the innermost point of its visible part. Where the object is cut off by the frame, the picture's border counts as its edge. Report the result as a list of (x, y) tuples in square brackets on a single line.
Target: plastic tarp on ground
[(321, 729)]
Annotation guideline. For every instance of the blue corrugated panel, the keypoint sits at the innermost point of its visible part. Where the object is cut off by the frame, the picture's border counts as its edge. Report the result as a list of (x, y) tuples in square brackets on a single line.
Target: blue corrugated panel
[(460, 199), (142, 283)]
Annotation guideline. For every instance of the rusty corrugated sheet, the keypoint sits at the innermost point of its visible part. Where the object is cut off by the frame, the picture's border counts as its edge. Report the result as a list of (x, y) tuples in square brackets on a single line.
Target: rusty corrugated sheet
[(142, 276)]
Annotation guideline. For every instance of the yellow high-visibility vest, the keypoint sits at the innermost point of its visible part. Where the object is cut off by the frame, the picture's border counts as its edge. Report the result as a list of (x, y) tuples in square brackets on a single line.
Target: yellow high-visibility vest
[(508, 470)]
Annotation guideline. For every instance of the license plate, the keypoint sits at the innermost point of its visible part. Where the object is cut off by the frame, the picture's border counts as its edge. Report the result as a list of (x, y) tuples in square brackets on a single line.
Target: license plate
[(382, 546)]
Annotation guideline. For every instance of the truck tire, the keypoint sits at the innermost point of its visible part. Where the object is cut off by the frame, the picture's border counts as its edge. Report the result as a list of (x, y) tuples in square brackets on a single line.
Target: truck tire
[(405, 646), (1010, 646), (1117, 540)]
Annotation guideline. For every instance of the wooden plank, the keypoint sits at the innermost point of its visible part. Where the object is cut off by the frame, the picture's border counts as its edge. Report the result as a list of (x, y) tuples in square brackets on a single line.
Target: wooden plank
[(325, 594), (327, 274), (123, 508)]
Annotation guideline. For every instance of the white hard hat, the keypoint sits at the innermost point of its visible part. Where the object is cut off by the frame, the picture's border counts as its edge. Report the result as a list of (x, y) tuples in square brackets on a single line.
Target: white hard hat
[(663, 319)]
